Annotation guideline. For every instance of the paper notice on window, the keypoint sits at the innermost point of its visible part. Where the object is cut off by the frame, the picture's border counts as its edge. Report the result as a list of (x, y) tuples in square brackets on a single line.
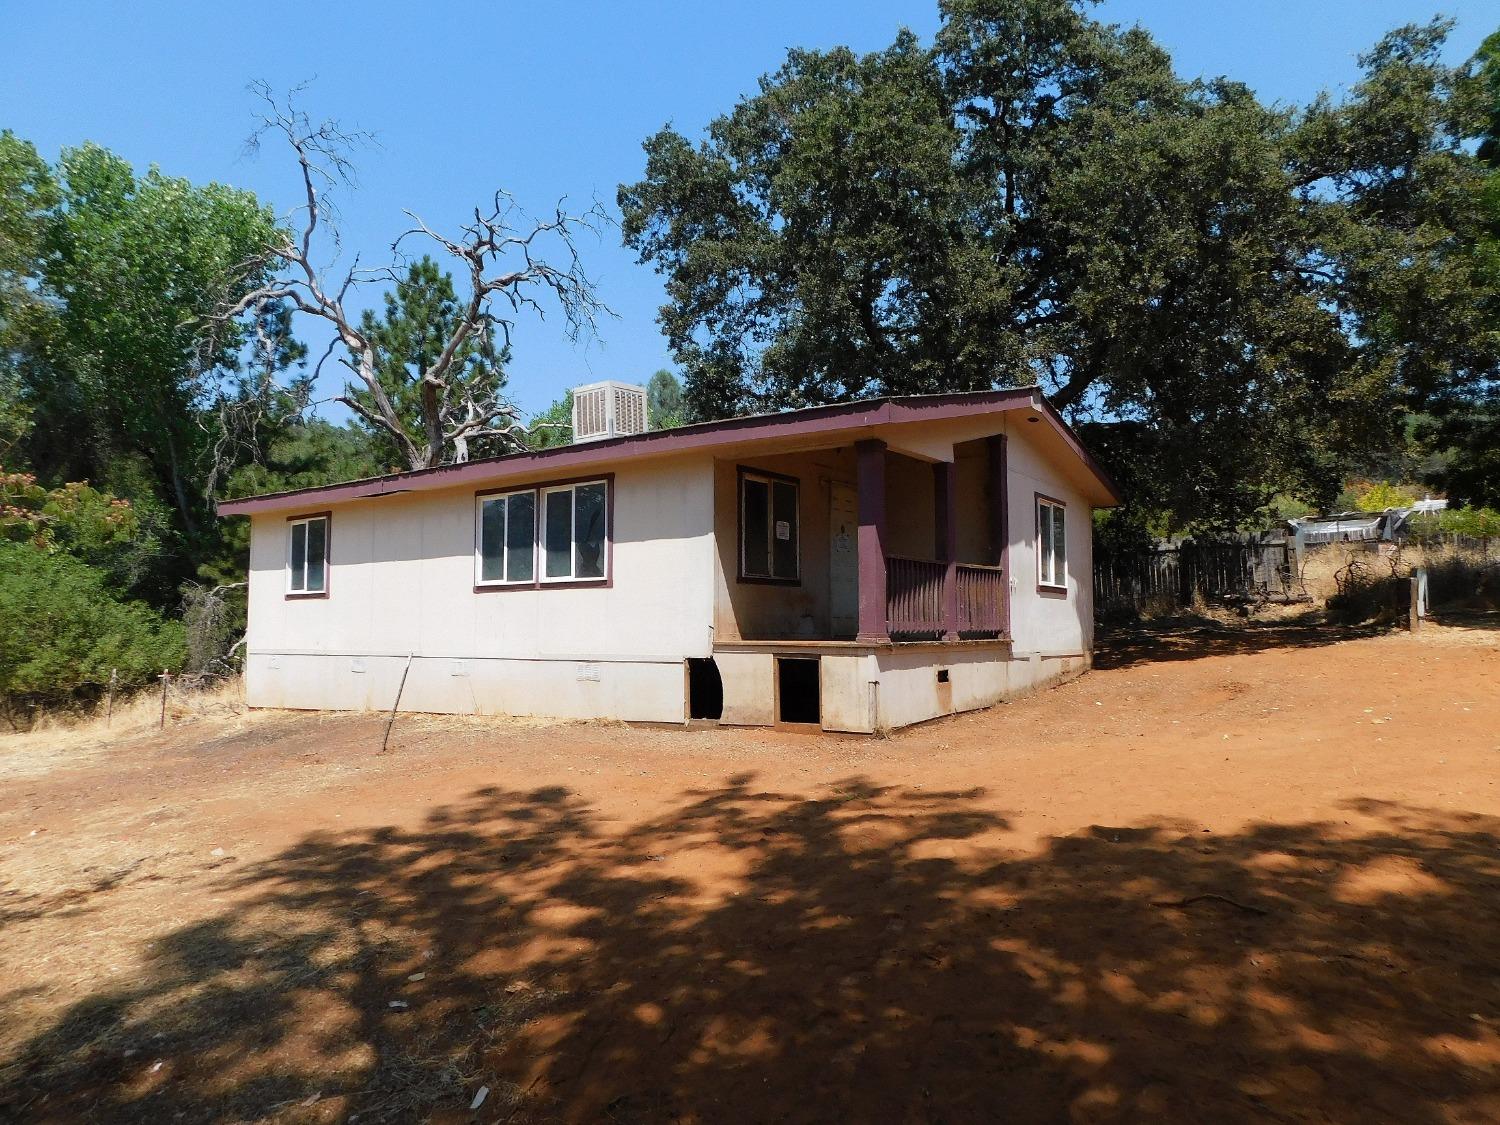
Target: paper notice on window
[(783, 530)]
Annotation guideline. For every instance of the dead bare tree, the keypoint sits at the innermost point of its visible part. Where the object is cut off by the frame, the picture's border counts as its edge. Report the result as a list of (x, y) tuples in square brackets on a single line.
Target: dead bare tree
[(211, 623), (499, 254)]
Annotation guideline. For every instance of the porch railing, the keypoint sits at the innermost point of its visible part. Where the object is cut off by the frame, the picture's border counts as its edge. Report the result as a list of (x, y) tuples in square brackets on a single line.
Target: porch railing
[(914, 599), (981, 601)]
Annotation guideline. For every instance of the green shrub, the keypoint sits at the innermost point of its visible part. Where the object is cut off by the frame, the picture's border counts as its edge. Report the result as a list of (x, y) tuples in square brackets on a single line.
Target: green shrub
[(1474, 523), (62, 631)]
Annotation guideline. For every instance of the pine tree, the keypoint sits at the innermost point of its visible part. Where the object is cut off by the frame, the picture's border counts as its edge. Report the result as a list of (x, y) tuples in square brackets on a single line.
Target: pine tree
[(420, 317)]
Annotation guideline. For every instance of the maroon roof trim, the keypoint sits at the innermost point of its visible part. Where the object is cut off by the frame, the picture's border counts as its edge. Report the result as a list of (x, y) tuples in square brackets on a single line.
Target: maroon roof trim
[(792, 423)]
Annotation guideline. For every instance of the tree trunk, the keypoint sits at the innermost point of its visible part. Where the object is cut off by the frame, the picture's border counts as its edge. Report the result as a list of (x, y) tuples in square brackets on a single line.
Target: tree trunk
[(178, 489), (432, 421)]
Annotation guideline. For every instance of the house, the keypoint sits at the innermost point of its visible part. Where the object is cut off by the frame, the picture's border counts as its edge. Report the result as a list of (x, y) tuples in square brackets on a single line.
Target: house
[(861, 566)]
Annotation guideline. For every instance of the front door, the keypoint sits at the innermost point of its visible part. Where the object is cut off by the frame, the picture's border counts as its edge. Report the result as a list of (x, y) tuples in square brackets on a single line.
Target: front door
[(843, 560)]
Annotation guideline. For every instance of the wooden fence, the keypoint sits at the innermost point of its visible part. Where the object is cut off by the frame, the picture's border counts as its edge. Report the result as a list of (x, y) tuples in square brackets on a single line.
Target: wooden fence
[(1177, 576)]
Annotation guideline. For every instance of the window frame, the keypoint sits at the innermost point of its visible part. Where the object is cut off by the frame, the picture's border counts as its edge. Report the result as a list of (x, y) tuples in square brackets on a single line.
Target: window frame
[(1059, 575), (770, 479), (539, 580), (303, 594), (480, 500), (572, 579)]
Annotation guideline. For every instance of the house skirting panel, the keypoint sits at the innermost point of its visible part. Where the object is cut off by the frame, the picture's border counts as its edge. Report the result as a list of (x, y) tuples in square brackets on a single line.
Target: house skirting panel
[(862, 690), (886, 687), (911, 691), (632, 690)]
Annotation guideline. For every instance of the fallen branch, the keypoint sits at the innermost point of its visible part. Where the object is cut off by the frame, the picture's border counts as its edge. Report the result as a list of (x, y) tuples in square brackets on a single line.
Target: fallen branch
[(520, 1098), (1181, 903)]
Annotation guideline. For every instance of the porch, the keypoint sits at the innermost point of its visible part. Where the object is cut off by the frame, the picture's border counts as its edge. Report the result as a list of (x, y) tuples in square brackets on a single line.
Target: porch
[(864, 546)]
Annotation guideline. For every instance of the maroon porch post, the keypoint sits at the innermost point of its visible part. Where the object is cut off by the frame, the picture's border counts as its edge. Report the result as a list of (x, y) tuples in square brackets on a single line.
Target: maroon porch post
[(1000, 521), (870, 464), (945, 524)]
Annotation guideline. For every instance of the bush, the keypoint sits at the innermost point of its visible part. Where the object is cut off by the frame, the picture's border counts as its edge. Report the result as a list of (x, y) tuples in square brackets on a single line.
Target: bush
[(1471, 523), (213, 618), (1370, 592), (62, 631), (1381, 495), (115, 536)]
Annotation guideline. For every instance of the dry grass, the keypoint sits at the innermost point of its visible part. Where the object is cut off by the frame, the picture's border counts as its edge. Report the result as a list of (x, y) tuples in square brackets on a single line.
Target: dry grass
[(59, 740), (223, 704), (142, 710), (69, 735), (1322, 566), (1368, 583), (421, 722)]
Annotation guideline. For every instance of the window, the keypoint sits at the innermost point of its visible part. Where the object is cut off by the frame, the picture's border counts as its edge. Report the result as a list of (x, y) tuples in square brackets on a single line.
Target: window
[(1051, 545), (576, 532), (505, 539), (307, 556), (768, 528), (557, 533)]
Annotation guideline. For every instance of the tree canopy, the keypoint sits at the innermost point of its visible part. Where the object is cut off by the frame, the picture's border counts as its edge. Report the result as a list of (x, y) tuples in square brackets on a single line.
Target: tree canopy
[(1241, 297), (665, 407), (107, 279), (129, 268), (1469, 414)]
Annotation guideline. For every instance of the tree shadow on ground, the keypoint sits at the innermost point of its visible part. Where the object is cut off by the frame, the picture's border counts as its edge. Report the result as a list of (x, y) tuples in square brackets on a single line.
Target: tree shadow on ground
[(874, 954), (1179, 639), (1466, 618)]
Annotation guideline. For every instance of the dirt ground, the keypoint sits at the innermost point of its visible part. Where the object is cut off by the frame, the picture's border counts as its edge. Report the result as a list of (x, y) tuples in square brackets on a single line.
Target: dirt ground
[(1225, 877)]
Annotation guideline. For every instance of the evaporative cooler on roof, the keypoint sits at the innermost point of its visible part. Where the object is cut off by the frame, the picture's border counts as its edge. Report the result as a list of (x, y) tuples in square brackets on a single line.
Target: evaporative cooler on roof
[(608, 409)]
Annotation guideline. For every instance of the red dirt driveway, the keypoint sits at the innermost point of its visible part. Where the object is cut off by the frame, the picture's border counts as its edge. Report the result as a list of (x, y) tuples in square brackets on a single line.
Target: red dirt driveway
[(1233, 877)]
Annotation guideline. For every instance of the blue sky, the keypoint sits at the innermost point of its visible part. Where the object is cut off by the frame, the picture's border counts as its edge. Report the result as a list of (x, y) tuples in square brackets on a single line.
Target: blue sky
[(546, 100)]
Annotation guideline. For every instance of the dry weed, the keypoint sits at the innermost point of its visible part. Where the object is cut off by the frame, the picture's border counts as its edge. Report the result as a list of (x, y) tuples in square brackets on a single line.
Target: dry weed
[(221, 706)]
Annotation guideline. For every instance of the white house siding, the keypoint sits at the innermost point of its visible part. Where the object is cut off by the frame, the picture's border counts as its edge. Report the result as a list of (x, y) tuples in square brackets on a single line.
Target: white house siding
[(902, 686), (865, 689), (978, 676), (909, 691), (402, 582), (1048, 624)]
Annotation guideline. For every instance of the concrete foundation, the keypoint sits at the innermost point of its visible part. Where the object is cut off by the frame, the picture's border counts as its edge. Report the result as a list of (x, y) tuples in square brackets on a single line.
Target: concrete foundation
[(634, 691), (863, 689), (866, 689)]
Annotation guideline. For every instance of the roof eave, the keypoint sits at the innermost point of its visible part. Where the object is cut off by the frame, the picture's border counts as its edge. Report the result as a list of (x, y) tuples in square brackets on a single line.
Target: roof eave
[(706, 435)]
